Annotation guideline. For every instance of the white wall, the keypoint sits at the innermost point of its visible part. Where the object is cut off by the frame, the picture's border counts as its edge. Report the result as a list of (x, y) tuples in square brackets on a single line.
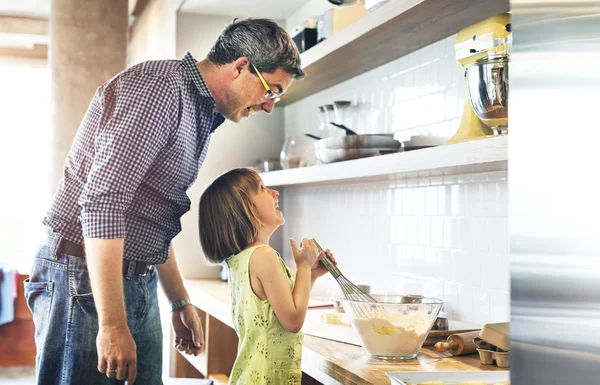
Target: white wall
[(154, 34), (231, 145), (24, 154), (438, 236)]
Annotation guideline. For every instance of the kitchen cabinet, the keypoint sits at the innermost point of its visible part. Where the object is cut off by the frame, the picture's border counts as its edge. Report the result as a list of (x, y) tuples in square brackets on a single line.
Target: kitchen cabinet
[(396, 29), (490, 154), (323, 361)]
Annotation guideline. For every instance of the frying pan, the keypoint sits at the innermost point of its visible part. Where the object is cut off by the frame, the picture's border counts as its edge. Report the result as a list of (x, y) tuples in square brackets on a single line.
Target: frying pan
[(384, 142)]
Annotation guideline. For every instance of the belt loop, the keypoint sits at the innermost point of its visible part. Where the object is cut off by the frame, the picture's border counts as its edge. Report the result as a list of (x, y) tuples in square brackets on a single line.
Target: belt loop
[(130, 268), (54, 249)]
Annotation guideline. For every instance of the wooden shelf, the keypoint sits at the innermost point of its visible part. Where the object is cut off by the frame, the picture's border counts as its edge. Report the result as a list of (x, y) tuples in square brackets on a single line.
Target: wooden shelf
[(209, 295), (489, 154), (396, 29), (221, 341), (198, 362)]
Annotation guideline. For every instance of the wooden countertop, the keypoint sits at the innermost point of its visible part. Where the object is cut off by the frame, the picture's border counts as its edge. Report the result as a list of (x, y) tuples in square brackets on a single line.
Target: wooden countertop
[(332, 362)]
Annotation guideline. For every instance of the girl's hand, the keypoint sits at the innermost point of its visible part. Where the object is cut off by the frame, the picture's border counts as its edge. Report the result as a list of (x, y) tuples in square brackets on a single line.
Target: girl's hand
[(306, 254), (318, 269)]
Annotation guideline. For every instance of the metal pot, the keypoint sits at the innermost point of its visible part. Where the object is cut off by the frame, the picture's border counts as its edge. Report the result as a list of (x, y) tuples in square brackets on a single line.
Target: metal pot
[(370, 141), (331, 155), (385, 142)]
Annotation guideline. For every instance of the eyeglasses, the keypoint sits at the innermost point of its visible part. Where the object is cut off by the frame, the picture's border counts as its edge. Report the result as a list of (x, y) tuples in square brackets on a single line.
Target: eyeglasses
[(270, 95)]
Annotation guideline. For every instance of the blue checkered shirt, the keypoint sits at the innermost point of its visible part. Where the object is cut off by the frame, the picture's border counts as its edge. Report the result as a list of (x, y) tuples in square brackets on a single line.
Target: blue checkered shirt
[(137, 151)]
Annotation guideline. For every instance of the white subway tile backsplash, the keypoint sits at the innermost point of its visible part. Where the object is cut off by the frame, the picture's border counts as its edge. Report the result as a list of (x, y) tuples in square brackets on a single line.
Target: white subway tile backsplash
[(465, 302), (444, 75), (481, 305), (450, 232), (473, 199), (443, 199), (455, 200), (424, 179), (431, 201), (465, 240), (412, 226), (424, 231), (503, 200), (451, 300), (407, 201), (446, 267), (503, 273), (437, 232), (472, 260), (499, 305), (489, 199), (480, 233), (489, 271), (498, 228), (419, 201), (418, 267), (400, 230), (442, 233)]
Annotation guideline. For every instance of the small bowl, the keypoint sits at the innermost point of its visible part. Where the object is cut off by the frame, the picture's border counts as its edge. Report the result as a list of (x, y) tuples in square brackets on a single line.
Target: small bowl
[(395, 327)]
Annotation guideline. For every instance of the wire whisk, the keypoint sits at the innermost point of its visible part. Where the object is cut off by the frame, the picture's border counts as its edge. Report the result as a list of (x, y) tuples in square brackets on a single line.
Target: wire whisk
[(350, 290)]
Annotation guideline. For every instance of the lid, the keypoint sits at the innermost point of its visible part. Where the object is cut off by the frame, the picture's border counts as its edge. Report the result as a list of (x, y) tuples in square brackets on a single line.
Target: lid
[(496, 334), (487, 39)]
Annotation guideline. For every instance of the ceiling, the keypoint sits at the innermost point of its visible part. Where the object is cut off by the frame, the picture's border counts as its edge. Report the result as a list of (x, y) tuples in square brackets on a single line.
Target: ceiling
[(24, 27), (274, 9), (24, 23), (28, 8)]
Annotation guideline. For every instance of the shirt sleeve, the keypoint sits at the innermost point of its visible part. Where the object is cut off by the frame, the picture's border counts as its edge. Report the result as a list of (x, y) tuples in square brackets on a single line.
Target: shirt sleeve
[(139, 114)]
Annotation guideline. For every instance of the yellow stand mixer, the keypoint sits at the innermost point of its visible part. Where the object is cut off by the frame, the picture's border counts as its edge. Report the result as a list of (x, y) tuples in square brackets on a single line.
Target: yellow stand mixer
[(483, 50)]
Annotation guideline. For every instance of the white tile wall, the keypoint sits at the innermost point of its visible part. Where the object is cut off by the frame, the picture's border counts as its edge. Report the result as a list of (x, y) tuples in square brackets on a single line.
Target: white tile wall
[(422, 93), (442, 235)]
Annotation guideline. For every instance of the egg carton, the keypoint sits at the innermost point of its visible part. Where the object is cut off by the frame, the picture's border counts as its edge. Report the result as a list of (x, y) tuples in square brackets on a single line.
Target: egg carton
[(489, 357), (493, 344)]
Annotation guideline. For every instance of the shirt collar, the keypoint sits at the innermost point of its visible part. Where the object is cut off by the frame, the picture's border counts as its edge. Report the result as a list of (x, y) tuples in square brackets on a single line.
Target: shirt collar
[(192, 71)]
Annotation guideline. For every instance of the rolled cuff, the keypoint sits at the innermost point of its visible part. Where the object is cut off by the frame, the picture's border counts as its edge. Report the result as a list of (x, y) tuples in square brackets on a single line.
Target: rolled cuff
[(103, 224)]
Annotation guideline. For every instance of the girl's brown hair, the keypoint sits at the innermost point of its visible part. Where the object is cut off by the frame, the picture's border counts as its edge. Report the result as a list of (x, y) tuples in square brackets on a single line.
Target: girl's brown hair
[(227, 222)]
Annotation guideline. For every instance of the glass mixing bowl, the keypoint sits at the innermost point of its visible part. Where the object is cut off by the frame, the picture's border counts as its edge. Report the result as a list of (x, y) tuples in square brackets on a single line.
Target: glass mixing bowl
[(394, 327)]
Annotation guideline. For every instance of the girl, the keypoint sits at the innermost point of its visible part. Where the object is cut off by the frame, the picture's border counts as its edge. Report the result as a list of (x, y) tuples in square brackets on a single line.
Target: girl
[(238, 215)]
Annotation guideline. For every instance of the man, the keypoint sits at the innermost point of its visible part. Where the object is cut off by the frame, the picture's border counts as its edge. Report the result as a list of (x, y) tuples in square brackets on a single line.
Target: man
[(93, 285)]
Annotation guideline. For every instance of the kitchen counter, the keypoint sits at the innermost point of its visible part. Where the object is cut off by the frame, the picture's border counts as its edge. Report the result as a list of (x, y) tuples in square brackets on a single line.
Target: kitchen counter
[(332, 362)]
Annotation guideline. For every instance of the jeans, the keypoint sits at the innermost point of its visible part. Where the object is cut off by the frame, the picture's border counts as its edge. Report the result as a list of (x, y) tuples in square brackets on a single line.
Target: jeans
[(59, 295)]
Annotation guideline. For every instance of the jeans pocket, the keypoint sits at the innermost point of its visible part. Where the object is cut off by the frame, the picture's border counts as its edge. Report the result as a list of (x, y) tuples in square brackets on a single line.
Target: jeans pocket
[(80, 287), (39, 297)]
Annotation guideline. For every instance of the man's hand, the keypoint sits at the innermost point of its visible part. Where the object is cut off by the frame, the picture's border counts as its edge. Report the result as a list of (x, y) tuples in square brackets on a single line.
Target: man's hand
[(189, 335), (114, 344), (116, 353)]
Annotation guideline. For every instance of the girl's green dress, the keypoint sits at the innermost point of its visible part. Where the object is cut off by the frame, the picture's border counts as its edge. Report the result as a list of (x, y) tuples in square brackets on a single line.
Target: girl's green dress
[(267, 353)]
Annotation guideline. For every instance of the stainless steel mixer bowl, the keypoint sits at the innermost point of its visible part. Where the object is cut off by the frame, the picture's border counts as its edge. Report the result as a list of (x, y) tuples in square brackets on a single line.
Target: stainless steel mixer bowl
[(488, 89)]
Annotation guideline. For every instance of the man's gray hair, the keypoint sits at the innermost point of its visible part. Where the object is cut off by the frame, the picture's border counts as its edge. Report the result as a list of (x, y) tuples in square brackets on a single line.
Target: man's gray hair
[(264, 42)]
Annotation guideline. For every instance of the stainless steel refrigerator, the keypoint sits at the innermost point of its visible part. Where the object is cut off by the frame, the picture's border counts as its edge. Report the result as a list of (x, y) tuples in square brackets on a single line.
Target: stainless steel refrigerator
[(554, 192)]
